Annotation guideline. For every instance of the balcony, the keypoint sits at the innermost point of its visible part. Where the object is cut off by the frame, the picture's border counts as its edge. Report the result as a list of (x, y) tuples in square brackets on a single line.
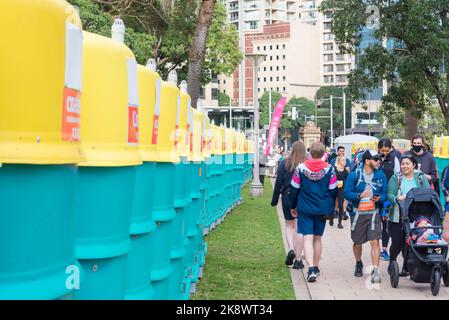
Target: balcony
[(251, 6)]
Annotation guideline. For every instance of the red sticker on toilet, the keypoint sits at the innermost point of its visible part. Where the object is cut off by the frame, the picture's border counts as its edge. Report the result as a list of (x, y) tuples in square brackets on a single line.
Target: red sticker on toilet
[(133, 124), (71, 115)]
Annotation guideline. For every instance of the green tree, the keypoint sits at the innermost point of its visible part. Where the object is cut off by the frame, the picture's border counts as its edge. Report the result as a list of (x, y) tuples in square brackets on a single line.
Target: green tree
[(174, 23), (323, 97), (96, 21), (415, 61), (303, 106), (223, 99), (264, 106)]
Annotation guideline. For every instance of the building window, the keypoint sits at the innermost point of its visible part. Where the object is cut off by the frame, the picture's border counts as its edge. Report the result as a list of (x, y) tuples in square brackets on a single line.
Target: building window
[(328, 47), (328, 15), (271, 68), (283, 57), (327, 25), (271, 79), (328, 79), (277, 47), (271, 58), (224, 91), (329, 68), (202, 93), (284, 68), (271, 47), (277, 68), (284, 89), (277, 57), (277, 89), (224, 81), (283, 78), (264, 68), (214, 93), (340, 57), (283, 46), (264, 79), (264, 48), (341, 79), (341, 68), (258, 89), (218, 81), (258, 48), (328, 57), (328, 36), (277, 78)]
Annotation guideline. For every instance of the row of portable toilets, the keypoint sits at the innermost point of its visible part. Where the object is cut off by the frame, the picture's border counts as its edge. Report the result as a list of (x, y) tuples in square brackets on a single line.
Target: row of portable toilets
[(109, 180)]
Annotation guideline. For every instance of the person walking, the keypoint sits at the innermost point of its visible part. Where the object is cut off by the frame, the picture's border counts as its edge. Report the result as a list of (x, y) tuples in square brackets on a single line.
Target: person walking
[(313, 192), (282, 187), (342, 172), (263, 161), (398, 187), (389, 166), (425, 160), (366, 189), (341, 153)]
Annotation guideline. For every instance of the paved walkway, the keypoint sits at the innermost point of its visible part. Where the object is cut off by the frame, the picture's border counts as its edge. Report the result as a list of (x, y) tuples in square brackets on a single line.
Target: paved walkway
[(337, 281)]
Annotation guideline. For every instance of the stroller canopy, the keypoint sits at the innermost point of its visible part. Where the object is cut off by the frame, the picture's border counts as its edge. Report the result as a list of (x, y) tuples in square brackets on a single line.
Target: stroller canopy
[(423, 202)]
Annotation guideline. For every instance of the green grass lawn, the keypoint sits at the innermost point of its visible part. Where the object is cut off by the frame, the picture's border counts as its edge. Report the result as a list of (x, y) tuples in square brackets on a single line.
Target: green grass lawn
[(245, 258)]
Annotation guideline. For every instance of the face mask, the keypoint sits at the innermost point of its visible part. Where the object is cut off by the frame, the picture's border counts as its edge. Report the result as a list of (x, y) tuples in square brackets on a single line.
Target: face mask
[(417, 148)]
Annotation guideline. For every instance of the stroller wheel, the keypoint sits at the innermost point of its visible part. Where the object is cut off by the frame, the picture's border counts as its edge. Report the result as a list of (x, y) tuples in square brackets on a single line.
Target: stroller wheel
[(446, 275), (393, 271), (435, 282)]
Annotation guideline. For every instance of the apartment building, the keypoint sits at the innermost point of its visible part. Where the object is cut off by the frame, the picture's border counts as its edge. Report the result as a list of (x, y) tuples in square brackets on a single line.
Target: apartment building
[(334, 66), (257, 13)]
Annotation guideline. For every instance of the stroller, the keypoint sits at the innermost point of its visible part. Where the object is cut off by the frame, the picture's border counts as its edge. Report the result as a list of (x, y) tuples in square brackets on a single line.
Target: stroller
[(427, 263)]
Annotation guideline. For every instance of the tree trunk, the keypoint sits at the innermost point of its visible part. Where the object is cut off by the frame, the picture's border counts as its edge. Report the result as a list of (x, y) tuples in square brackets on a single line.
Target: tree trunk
[(197, 50), (411, 123)]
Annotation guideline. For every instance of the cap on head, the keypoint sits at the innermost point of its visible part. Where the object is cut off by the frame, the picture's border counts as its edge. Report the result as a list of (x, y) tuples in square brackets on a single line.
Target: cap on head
[(369, 154)]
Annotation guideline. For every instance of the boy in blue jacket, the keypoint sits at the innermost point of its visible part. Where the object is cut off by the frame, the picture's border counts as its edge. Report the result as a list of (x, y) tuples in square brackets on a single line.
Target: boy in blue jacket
[(366, 188), (314, 189)]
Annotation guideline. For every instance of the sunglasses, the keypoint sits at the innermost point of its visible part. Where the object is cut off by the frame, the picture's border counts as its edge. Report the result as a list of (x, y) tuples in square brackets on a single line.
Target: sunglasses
[(377, 158)]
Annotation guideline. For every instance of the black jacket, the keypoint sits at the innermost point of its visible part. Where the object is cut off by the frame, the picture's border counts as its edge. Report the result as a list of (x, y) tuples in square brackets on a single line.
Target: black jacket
[(282, 185), (388, 165)]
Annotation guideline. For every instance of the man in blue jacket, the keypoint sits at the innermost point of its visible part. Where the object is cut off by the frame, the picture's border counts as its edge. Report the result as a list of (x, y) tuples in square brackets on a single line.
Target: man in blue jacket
[(314, 189), (366, 189)]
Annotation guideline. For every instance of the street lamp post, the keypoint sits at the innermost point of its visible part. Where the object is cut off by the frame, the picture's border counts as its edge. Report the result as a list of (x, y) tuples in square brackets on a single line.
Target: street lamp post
[(256, 188)]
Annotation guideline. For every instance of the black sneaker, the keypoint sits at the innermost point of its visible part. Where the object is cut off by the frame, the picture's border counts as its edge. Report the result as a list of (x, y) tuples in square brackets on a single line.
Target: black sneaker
[(311, 274), (340, 226), (290, 257), (298, 264), (331, 222), (345, 217), (358, 269)]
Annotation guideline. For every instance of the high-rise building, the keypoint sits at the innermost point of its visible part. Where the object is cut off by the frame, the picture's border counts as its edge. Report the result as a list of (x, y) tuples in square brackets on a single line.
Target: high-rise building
[(257, 13), (334, 66)]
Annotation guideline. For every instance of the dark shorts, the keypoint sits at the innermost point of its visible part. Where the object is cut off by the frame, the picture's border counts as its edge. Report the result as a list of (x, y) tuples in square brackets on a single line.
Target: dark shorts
[(311, 224), (363, 230), (286, 208)]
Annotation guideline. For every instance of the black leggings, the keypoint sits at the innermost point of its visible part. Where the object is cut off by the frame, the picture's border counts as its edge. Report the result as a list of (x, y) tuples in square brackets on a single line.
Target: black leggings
[(397, 235), (385, 235), (340, 201)]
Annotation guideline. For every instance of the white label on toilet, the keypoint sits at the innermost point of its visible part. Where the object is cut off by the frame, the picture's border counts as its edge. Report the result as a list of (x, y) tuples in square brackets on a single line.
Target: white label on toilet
[(73, 57)]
